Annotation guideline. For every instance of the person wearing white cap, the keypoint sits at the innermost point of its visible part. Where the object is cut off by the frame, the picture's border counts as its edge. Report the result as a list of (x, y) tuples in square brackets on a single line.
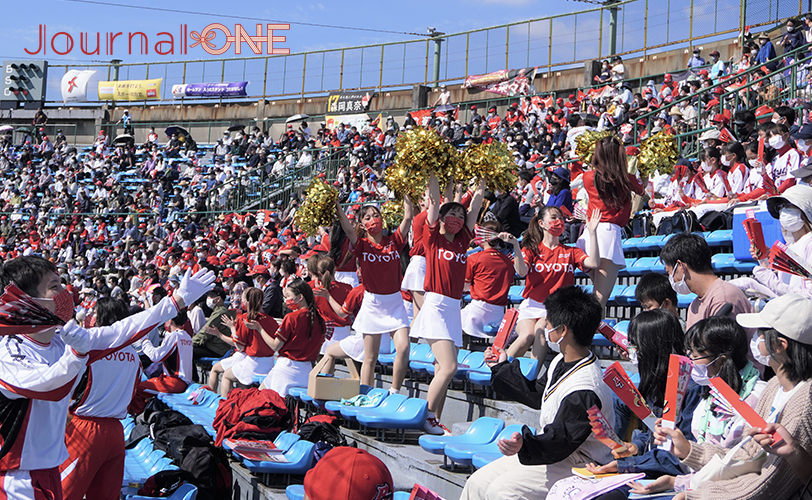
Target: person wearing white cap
[(784, 341), (794, 211)]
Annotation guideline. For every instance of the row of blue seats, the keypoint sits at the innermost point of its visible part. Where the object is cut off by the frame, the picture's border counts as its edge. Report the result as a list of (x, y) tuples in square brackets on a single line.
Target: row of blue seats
[(720, 238), (474, 448), (202, 413), (142, 461)]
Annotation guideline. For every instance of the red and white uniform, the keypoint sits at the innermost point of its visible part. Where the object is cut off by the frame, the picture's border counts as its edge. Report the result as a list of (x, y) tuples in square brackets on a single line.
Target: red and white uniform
[(415, 275), (346, 267), (780, 170), (382, 309), (36, 382), (302, 344), (716, 183), (548, 269), (737, 177), (490, 274), (175, 354), (446, 263), (338, 328), (255, 358)]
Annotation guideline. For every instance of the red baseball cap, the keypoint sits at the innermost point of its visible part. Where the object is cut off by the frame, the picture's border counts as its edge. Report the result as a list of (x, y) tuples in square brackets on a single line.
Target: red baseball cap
[(259, 270), (229, 273), (346, 473)]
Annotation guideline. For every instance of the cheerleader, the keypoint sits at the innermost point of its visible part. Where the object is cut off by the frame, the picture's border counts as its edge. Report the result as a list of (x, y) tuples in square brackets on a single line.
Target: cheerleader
[(415, 274), (609, 186), (322, 270), (549, 266), (297, 342), (344, 259), (253, 357), (382, 309), (488, 276), (448, 234)]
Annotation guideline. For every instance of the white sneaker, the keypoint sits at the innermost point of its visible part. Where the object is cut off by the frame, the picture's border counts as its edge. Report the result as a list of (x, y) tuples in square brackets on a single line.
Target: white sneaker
[(433, 426)]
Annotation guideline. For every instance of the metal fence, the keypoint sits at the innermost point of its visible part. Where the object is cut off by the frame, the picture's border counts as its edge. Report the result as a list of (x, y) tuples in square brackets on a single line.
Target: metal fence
[(549, 43)]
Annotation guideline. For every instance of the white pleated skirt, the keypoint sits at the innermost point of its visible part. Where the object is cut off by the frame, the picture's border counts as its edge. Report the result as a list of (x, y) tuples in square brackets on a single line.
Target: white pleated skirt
[(610, 244), (339, 333), (415, 276), (477, 315), (348, 277), (531, 309), (439, 319), (287, 373), (381, 314), (245, 367)]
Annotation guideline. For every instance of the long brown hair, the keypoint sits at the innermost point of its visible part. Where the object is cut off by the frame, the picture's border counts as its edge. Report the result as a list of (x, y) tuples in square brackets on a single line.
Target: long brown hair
[(535, 234), (360, 230), (300, 287), (326, 269), (253, 299), (611, 172)]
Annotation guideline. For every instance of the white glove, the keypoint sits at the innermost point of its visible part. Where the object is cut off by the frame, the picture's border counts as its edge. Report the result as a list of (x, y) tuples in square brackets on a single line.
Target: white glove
[(193, 287), (76, 337)]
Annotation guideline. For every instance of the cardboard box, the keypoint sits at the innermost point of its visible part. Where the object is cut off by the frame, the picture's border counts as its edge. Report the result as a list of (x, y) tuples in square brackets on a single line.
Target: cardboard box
[(332, 388)]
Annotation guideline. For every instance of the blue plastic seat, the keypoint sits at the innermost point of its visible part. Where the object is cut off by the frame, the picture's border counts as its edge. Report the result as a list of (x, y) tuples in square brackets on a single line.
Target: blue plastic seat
[(388, 359), (645, 265), (388, 405), (652, 243), (295, 492), (632, 244), (622, 326), (482, 430), (529, 368), (463, 453), (297, 392), (299, 460), (491, 328), (462, 355), (186, 491), (625, 271), (515, 294), (720, 238), (627, 297), (480, 375), (335, 407), (466, 298), (685, 300), (744, 266), (475, 360), (402, 495), (410, 415), (724, 263), (482, 459), (599, 340), (587, 288), (617, 290), (420, 357)]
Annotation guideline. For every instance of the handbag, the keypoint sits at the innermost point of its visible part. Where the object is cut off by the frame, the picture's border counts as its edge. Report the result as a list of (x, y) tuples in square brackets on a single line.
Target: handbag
[(721, 468)]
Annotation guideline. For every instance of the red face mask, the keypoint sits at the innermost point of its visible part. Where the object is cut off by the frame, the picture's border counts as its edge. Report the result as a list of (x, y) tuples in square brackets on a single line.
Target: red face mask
[(556, 227), (64, 305), (375, 226), (291, 304), (453, 224)]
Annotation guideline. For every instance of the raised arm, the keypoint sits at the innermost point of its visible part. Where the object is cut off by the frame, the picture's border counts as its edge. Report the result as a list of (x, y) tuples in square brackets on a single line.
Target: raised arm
[(593, 259), (476, 204), (433, 208), (346, 225), (158, 354), (518, 257), (408, 215)]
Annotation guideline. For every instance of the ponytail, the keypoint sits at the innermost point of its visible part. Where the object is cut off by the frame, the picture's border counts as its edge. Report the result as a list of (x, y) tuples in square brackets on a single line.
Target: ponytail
[(535, 233), (326, 271), (299, 287), (253, 297)]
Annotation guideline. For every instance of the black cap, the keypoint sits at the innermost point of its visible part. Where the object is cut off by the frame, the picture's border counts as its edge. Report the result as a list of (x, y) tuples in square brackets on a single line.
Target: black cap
[(805, 132)]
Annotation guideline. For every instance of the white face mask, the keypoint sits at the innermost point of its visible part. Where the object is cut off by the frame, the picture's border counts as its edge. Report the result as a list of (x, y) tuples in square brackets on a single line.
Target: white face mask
[(790, 219), (776, 142), (802, 145), (790, 28), (754, 342), (555, 346), (679, 286), (725, 161), (706, 167), (776, 120), (699, 373), (211, 303)]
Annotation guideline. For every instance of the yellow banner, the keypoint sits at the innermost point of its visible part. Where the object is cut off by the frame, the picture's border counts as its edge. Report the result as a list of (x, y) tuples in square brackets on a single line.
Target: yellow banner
[(130, 90)]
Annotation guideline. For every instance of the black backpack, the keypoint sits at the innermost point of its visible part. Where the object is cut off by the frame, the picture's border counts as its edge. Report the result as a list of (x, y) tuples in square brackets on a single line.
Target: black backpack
[(164, 483), (717, 221), (641, 225), (210, 468), (175, 441), (160, 420), (683, 221)]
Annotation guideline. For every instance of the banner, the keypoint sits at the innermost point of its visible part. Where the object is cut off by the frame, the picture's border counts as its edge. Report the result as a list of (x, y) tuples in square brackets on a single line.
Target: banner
[(74, 85), (130, 90), (224, 89), (358, 121), (507, 82), (339, 103), (423, 116)]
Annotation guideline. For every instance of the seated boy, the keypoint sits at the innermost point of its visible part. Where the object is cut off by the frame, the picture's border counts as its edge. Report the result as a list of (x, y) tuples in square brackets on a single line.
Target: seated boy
[(654, 291), (572, 384), (39, 370)]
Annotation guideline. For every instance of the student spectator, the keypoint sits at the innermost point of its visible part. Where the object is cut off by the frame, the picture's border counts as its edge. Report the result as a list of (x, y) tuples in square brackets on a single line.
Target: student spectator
[(209, 345), (571, 385), (271, 291), (560, 194), (654, 291), (784, 341), (733, 161), (687, 261), (714, 177), (787, 159), (609, 186)]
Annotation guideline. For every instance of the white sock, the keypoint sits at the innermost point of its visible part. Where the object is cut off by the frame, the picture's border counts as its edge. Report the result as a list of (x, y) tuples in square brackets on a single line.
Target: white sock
[(392, 390), (430, 415)]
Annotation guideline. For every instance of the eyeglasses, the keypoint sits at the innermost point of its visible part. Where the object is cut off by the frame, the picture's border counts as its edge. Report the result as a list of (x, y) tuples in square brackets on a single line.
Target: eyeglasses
[(692, 358)]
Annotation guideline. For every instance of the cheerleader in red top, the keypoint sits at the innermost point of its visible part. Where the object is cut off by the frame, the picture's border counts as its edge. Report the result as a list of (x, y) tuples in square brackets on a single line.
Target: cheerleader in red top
[(415, 274), (382, 309), (549, 266), (488, 276), (253, 356), (297, 341), (609, 186), (449, 231), (339, 250), (737, 174), (322, 271)]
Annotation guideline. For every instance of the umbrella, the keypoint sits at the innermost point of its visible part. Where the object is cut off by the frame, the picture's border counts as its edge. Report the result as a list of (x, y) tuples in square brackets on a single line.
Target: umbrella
[(6, 128), (176, 129), (124, 139), (23, 129), (444, 108), (235, 128), (296, 118)]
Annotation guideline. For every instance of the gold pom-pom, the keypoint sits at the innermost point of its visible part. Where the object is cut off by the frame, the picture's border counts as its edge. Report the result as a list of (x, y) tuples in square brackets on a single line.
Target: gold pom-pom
[(419, 153), (492, 162), (585, 144), (657, 153), (318, 208), (392, 212)]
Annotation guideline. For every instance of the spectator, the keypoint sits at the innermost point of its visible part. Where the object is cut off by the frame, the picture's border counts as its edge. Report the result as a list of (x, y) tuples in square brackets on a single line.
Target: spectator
[(696, 60), (209, 345)]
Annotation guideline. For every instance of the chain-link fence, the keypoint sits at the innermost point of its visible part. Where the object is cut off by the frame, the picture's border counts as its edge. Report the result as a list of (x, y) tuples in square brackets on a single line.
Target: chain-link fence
[(549, 43)]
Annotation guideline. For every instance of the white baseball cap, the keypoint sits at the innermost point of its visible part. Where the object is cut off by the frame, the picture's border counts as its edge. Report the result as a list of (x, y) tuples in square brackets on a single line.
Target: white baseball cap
[(790, 315)]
